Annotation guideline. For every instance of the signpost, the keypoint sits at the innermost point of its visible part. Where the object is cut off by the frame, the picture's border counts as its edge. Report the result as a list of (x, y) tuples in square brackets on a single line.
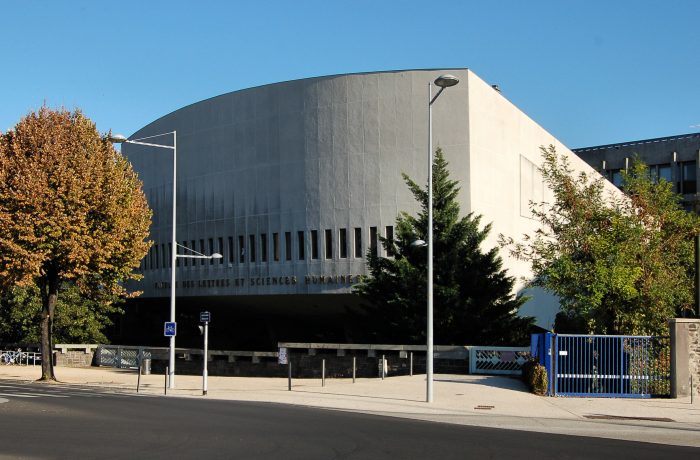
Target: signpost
[(205, 317)]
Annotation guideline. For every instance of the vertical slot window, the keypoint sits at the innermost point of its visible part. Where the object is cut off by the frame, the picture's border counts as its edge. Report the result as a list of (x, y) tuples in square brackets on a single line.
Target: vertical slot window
[(688, 183), (329, 243), (314, 244), (202, 250), (155, 252), (373, 240), (170, 255), (241, 249), (184, 259), (343, 243), (390, 239), (231, 251), (263, 247), (276, 247), (211, 250), (358, 242), (251, 247), (301, 244), (221, 250), (287, 245)]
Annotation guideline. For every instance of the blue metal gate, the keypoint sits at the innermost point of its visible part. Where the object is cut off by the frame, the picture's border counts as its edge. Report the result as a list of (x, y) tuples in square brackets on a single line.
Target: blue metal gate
[(605, 365)]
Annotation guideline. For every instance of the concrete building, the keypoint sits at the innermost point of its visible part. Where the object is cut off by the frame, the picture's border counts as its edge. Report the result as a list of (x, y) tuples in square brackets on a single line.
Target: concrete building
[(674, 158), (293, 182)]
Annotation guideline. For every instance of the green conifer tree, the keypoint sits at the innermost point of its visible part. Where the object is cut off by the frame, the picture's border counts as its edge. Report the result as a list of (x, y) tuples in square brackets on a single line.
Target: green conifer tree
[(473, 296)]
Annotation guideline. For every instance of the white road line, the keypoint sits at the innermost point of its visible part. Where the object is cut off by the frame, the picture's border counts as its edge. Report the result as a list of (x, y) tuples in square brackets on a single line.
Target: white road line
[(18, 395)]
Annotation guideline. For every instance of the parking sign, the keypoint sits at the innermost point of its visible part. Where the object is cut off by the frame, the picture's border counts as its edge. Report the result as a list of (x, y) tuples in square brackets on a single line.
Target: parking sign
[(170, 329)]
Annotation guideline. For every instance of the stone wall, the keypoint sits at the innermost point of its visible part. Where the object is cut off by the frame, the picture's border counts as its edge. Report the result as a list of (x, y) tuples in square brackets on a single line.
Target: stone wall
[(74, 358), (685, 357)]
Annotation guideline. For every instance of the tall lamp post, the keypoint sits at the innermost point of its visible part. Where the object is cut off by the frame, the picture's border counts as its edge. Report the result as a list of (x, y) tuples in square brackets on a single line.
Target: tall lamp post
[(443, 81), (119, 139)]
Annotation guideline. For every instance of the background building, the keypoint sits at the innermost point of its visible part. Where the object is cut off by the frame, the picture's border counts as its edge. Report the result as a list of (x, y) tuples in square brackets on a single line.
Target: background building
[(294, 182), (674, 158)]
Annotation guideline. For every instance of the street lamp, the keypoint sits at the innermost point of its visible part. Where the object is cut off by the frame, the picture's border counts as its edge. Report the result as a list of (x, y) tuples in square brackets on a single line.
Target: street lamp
[(443, 81), (119, 139)]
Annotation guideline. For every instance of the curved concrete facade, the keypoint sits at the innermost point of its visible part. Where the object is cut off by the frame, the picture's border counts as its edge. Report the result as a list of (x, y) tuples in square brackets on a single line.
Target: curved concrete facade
[(287, 167), (314, 162)]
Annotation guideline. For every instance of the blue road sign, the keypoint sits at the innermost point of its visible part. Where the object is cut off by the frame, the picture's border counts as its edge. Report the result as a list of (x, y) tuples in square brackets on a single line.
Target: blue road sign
[(204, 317), (170, 329)]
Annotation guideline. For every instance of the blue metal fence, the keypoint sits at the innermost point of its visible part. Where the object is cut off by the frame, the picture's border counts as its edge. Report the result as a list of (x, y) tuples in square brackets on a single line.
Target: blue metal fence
[(605, 365)]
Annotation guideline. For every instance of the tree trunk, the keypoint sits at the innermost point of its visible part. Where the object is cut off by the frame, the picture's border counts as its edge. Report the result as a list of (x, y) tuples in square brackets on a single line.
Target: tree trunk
[(49, 295)]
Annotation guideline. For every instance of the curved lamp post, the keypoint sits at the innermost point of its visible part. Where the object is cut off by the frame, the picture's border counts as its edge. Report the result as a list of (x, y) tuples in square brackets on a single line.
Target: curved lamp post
[(443, 81), (119, 139)]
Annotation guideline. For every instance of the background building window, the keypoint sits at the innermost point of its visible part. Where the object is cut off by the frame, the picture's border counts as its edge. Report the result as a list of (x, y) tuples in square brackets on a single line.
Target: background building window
[(202, 250), (688, 179), (358, 242), (211, 250), (193, 246), (170, 255), (329, 243), (343, 243), (314, 244), (165, 255), (155, 251), (231, 251), (287, 245), (659, 172), (615, 176), (373, 240), (241, 249), (301, 243)]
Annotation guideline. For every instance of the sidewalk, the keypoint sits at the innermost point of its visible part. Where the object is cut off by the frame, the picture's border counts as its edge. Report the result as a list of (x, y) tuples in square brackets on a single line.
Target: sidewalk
[(487, 401)]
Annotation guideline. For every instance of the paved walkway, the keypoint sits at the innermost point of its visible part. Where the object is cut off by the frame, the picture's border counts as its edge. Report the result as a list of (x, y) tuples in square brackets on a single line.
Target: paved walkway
[(488, 401)]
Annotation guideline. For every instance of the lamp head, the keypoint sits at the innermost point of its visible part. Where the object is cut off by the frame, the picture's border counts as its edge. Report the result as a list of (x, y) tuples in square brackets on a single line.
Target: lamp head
[(216, 255), (445, 81), (419, 244), (117, 138)]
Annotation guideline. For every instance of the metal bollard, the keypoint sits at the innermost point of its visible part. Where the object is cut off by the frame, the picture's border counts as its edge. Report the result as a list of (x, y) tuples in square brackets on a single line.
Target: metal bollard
[(289, 374), (354, 367), (138, 381), (411, 365), (167, 372), (383, 366), (323, 372)]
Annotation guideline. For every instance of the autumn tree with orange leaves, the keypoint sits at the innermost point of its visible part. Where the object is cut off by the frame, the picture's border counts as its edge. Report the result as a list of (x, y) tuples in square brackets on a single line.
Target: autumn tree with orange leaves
[(71, 210)]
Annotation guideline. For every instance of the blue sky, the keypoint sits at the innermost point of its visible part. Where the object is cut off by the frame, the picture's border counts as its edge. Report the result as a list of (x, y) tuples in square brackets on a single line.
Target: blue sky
[(590, 72)]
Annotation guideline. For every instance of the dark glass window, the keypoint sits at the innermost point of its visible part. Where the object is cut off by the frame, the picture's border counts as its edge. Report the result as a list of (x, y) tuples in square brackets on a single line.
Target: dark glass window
[(241, 249), (221, 250), (155, 248), (688, 182), (329, 244), (276, 247), (231, 251), (211, 250), (288, 245), (615, 176), (358, 242), (165, 255), (202, 250), (390, 238), (263, 247), (373, 240), (314, 244), (194, 247), (301, 243), (343, 243), (182, 251), (251, 247), (170, 255)]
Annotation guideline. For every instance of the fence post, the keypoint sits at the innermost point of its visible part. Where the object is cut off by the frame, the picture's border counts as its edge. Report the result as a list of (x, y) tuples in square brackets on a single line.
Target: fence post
[(323, 372), (383, 366), (289, 374), (354, 367), (167, 371), (410, 366)]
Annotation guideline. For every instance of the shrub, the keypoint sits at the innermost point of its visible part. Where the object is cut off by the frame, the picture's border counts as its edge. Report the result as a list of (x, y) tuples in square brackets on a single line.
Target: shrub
[(535, 376)]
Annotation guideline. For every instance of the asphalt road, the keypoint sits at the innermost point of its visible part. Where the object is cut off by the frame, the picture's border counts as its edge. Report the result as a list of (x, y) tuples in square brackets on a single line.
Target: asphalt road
[(55, 421)]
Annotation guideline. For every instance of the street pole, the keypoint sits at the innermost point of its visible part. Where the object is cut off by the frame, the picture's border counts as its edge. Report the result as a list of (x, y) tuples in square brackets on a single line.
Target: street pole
[(205, 372), (429, 333), (173, 262)]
